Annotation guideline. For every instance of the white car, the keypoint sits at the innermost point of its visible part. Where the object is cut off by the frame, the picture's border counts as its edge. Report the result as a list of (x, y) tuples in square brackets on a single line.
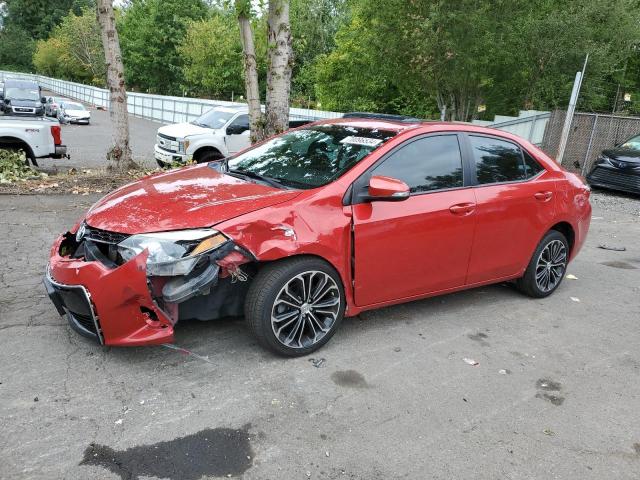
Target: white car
[(216, 134), (73, 112), (38, 137)]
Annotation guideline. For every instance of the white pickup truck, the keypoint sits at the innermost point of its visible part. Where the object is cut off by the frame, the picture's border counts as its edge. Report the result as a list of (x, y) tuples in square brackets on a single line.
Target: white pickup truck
[(216, 134), (38, 137)]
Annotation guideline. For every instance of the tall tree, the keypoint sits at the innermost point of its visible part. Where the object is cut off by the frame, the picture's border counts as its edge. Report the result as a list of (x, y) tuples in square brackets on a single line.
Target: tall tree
[(280, 57), (150, 32), (212, 54), (279, 68), (74, 50), (39, 17), (120, 152), (252, 85)]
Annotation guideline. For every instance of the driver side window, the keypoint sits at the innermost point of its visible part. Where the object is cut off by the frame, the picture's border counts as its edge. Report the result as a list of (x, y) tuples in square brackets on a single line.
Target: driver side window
[(427, 164), (241, 123)]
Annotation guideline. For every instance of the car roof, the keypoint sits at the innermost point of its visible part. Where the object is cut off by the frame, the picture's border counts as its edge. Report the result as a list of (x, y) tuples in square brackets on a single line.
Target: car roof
[(20, 83)]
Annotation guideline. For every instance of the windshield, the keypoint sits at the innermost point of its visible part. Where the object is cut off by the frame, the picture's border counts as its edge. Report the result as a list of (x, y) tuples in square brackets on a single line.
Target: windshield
[(74, 106), (311, 157), (213, 119), (633, 143), (22, 93)]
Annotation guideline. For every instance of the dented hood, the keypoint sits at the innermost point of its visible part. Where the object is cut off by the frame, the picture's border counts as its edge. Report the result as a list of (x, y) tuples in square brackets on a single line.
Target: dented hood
[(192, 197)]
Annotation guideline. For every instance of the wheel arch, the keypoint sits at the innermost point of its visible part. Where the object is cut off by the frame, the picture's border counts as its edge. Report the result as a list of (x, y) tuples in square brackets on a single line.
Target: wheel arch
[(203, 150), (568, 231), (262, 263), (16, 142)]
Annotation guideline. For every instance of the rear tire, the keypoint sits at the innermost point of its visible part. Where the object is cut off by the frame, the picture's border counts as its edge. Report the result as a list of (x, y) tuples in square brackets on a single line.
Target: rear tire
[(547, 266), (294, 306)]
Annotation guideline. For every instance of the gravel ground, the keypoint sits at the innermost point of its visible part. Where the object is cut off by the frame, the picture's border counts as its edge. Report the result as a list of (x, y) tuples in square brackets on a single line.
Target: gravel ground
[(555, 394), (616, 201)]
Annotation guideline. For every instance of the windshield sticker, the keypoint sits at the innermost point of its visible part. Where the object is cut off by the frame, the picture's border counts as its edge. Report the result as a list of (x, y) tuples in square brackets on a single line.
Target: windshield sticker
[(366, 141)]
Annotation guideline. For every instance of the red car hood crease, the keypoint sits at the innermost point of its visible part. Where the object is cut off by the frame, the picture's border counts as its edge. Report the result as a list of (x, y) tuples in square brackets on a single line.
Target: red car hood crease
[(193, 197)]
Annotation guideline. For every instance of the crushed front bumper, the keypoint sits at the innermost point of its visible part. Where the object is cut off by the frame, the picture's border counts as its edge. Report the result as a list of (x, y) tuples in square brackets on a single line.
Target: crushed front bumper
[(112, 306)]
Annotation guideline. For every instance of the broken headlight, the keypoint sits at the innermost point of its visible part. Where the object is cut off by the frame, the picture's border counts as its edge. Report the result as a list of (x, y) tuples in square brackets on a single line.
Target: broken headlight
[(171, 253)]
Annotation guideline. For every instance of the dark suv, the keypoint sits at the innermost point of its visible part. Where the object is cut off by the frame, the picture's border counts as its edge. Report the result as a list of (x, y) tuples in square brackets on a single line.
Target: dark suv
[(22, 97)]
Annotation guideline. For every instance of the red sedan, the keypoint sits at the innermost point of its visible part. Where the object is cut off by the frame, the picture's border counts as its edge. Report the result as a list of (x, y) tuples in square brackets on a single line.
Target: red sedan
[(318, 223)]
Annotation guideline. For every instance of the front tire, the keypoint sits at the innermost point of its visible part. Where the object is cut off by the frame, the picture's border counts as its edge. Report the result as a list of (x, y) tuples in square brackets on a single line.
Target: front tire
[(547, 266), (295, 306), (210, 156)]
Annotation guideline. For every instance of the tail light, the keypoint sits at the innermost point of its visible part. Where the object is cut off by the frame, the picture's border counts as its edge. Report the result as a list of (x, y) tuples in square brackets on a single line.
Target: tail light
[(55, 133)]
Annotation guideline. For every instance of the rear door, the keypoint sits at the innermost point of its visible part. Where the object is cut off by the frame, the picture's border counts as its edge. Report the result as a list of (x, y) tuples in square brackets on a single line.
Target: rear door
[(515, 204), (422, 244)]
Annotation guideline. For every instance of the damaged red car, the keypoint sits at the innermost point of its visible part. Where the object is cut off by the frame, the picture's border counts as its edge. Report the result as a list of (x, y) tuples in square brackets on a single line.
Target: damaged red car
[(321, 222)]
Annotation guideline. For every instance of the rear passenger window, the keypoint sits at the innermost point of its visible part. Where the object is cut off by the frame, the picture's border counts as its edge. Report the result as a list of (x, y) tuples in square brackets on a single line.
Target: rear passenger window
[(531, 166), (497, 160), (430, 163)]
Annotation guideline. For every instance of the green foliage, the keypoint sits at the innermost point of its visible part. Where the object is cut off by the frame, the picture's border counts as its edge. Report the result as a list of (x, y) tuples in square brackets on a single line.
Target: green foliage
[(150, 32), (38, 17), (74, 50), (414, 57), (212, 55), (13, 167), (16, 49), (314, 24)]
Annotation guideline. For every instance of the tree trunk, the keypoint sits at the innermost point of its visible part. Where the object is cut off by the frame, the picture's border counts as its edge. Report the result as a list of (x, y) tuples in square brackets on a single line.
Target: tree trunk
[(280, 56), (120, 152), (256, 119)]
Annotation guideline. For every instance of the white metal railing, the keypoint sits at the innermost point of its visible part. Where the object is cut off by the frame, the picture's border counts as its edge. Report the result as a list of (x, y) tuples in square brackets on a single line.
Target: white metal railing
[(531, 127), (166, 109), (161, 108)]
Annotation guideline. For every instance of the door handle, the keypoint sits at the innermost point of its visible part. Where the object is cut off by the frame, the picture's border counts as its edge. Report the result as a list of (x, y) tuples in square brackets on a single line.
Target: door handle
[(462, 208), (543, 196)]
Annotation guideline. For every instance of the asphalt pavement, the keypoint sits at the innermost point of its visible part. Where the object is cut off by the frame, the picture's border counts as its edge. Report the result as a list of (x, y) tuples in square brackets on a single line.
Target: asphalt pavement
[(555, 393), (88, 144)]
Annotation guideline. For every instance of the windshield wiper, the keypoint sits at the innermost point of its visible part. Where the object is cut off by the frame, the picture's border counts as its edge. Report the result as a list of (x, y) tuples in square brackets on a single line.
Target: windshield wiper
[(255, 176), (200, 124)]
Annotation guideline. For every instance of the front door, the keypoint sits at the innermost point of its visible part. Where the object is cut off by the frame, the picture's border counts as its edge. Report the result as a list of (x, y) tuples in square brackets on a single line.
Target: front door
[(422, 244), (239, 141)]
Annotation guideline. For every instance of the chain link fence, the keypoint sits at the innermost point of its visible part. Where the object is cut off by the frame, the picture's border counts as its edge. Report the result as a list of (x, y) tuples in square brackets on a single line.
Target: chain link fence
[(590, 134), (161, 108)]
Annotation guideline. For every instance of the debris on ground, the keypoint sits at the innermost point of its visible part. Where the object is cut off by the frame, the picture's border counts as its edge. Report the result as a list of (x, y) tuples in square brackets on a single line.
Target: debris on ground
[(14, 168), (28, 181), (185, 351), (575, 299), (548, 431), (470, 361), (571, 277), (504, 371), (610, 247), (318, 362)]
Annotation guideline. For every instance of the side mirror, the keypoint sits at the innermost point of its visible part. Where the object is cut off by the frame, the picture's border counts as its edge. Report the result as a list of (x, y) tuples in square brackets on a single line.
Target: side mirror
[(236, 129), (43, 100), (387, 189), (7, 101)]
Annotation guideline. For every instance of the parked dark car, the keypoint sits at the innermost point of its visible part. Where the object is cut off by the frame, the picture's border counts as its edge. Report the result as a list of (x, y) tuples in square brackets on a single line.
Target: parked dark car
[(22, 97), (618, 168)]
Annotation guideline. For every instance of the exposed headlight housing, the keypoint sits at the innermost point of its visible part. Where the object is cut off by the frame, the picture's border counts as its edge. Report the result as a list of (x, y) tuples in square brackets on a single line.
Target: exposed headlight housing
[(172, 253)]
